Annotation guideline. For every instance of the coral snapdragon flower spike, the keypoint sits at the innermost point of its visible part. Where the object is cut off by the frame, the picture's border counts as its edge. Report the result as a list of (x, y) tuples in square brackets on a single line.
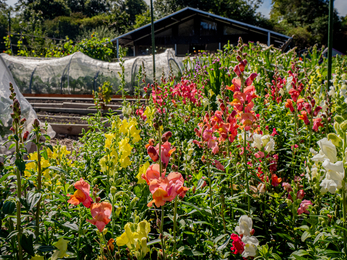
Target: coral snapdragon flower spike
[(81, 195), (159, 198), (101, 213), (153, 173), (317, 123), (304, 117), (152, 152), (166, 152)]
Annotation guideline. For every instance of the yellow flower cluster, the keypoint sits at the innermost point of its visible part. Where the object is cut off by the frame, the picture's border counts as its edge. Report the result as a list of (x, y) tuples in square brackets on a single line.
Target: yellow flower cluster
[(32, 166), (59, 152), (135, 238), (118, 144), (149, 113)]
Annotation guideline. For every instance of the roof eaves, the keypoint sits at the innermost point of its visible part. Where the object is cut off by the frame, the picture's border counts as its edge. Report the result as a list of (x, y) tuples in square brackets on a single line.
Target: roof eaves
[(209, 14), (147, 25)]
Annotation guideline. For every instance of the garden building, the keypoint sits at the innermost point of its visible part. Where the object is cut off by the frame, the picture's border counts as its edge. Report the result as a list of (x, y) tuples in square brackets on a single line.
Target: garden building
[(190, 30)]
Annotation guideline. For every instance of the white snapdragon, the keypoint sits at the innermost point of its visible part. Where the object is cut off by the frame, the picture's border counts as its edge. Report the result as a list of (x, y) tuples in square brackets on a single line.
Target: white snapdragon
[(250, 248), (327, 151), (265, 141), (289, 83), (126, 110), (244, 229), (332, 92), (311, 173), (245, 226), (335, 173), (205, 102)]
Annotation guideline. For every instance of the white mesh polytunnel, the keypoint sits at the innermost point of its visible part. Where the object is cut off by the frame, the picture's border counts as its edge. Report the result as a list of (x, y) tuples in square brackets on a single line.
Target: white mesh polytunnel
[(80, 74), (5, 109)]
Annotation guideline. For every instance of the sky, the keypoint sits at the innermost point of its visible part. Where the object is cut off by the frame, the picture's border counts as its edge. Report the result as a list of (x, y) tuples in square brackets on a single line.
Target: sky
[(340, 5)]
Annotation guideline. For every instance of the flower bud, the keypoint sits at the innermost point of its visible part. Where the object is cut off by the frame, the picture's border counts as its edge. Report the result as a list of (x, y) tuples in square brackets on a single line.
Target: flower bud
[(25, 136), (36, 123), (98, 199), (113, 190)]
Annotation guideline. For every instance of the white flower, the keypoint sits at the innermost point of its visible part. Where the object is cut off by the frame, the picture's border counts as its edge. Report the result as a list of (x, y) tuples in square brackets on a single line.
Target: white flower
[(311, 173), (269, 143), (324, 106), (327, 151), (126, 110), (332, 92), (205, 102), (257, 143), (334, 176), (250, 248), (328, 185), (265, 141), (289, 83), (245, 226), (282, 92), (313, 151)]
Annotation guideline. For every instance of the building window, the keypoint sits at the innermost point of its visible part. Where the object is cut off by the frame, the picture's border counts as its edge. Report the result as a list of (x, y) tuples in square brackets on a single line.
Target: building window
[(186, 28), (207, 28)]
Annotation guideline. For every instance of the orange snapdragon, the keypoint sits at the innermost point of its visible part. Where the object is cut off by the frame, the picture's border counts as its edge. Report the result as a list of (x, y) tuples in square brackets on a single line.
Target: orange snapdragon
[(81, 195), (164, 188), (101, 213)]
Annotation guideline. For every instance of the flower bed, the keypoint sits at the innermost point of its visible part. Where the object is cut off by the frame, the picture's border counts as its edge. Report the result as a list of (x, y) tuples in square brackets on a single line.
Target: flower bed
[(243, 158)]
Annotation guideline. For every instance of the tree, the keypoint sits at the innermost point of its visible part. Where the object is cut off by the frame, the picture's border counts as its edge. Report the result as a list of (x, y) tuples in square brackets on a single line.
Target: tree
[(133, 8), (48, 9), (142, 19), (241, 10), (307, 20)]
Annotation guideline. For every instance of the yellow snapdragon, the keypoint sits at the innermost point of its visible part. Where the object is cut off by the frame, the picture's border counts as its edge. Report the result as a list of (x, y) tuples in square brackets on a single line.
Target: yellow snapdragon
[(135, 238)]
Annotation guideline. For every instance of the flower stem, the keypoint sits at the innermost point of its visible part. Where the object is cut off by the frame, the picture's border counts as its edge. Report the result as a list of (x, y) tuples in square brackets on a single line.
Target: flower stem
[(246, 175), (79, 234), (223, 207), (161, 232), (211, 193), (38, 183), (174, 229), (344, 197), (19, 193)]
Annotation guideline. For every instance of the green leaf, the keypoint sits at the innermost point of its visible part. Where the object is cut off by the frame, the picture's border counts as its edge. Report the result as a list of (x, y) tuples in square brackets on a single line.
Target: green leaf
[(305, 235), (27, 244), (20, 164), (318, 237), (300, 253), (32, 199), (8, 207), (197, 253), (71, 226), (55, 168), (44, 154), (224, 244), (152, 242), (216, 240), (5, 177), (46, 248)]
